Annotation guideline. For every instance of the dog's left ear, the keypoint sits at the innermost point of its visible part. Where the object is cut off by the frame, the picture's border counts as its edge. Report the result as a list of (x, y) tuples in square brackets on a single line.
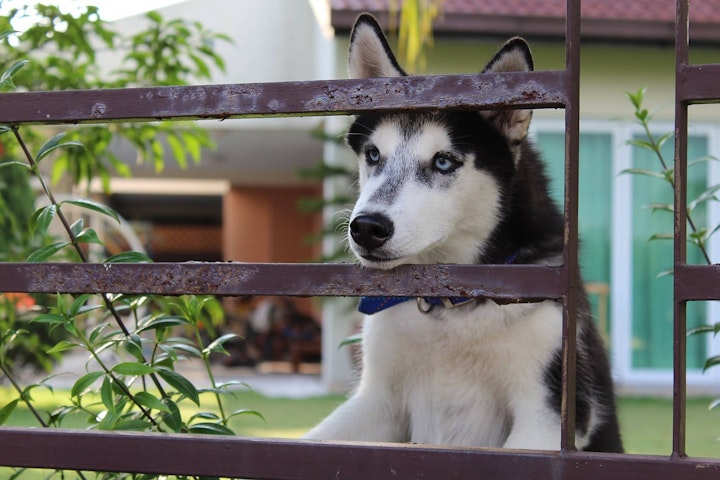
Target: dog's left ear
[(370, 55), (514, 56)]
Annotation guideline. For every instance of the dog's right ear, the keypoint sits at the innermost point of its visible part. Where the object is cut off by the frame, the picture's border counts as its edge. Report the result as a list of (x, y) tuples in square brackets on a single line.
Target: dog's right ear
[(514, 56), (370, 55)]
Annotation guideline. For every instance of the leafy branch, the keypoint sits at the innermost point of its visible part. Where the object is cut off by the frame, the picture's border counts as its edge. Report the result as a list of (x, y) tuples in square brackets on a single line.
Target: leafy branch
[(654, 144), (696, 236), (138, 388), (61, 51)]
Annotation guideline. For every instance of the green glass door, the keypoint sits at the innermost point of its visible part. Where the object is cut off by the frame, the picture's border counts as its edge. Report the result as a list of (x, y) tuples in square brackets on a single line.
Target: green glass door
[(594, 214), (652, 309)]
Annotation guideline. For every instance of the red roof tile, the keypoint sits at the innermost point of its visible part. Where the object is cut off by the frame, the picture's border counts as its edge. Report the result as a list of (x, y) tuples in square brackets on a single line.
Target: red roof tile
[(650, 20), (651, 10)]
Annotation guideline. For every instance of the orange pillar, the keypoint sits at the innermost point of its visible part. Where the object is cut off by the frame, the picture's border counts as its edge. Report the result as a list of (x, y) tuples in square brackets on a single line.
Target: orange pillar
[(263, 224)]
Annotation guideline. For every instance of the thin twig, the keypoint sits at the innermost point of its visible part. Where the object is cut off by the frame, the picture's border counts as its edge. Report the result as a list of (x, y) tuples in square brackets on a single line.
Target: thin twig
[(656, 148), (83, 257)]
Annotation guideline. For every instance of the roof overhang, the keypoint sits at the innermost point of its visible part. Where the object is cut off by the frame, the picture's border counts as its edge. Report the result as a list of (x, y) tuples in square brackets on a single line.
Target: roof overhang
[(593, 29)]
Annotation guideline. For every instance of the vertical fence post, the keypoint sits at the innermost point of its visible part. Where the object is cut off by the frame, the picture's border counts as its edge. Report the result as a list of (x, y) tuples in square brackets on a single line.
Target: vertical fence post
[(680, 232), (570, 252)]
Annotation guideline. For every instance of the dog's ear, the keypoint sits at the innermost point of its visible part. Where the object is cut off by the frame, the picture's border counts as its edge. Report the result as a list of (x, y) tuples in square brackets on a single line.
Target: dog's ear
[(370, 55), (514, 56)]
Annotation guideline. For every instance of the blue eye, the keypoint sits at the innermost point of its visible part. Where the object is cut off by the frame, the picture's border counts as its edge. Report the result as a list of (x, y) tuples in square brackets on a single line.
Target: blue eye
[(372, 155), (443, 163)]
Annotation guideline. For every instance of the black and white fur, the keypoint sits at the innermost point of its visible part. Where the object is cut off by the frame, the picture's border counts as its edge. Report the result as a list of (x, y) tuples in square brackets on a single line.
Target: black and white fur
[(462, 188)]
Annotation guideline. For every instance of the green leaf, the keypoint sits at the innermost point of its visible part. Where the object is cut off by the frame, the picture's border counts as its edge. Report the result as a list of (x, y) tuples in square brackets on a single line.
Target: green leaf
[(205, 416), (62, 346), (7, 410), (187, 349), (702, 329), (8, 163), (351, 340), (247, 412), (96, 331), (210, 429), (711, 362), (53, 144), (6, 79), (89, 235), (163, 322), (129, 257), (665, 273), (172, 417), (706, 196), (50, 318), (193, 145), (661, 236), (640, 171), (637, 98), (177, 151), (108, 420), (217, 345), (181, 384), (107, 396), (133, 368), (133, 345), (642, 114), (154, 16), (78, 303), (43, 253), (660, 207), (94, 206), (77, 226), (84, 382), (150, 401), (659, 142), (133, 425), (41, 218), (6, 33)]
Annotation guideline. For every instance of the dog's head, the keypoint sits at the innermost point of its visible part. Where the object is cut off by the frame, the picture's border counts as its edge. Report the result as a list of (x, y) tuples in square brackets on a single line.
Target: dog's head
[(431, 185)]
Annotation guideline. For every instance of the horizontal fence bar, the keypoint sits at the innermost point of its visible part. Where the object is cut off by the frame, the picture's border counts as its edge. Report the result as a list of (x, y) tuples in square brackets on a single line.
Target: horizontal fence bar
[(294, 460), (542, 89), (504, 283), (698, 83), (697, 282)]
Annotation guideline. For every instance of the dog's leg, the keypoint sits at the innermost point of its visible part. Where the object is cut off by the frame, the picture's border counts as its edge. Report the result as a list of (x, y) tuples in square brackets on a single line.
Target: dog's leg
[(364, 417), (538, 430)]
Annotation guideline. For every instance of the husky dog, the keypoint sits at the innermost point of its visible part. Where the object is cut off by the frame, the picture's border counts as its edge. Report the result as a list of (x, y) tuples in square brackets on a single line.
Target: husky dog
[(461, 188)]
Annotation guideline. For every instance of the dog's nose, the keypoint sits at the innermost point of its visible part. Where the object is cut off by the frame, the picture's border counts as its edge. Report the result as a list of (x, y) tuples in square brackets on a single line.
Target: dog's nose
[(371, 231)]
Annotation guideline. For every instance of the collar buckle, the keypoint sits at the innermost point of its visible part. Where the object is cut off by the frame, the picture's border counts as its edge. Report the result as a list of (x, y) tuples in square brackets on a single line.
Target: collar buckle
[(425, 305)]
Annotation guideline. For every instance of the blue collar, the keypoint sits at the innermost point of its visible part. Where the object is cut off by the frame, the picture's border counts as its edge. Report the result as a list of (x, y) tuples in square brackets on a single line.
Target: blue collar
[(372, 305)]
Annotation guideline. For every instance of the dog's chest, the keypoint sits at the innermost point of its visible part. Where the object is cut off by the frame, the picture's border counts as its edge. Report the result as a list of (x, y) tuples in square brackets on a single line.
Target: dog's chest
[(458, 374)]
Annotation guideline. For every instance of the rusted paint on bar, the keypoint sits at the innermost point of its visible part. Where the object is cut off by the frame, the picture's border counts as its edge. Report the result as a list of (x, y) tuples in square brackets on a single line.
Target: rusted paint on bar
[(506, 283), (298, 460), (542, 89)]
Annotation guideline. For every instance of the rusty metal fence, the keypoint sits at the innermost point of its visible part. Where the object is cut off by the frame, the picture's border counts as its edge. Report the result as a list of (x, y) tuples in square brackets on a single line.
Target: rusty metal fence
[(284, 459)]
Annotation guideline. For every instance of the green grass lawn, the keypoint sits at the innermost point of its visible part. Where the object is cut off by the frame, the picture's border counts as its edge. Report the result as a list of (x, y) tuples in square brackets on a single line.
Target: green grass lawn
[(646, 422)]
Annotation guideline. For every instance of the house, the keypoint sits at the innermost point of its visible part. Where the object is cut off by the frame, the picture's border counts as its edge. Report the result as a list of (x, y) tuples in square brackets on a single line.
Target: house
[(246, 190)]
